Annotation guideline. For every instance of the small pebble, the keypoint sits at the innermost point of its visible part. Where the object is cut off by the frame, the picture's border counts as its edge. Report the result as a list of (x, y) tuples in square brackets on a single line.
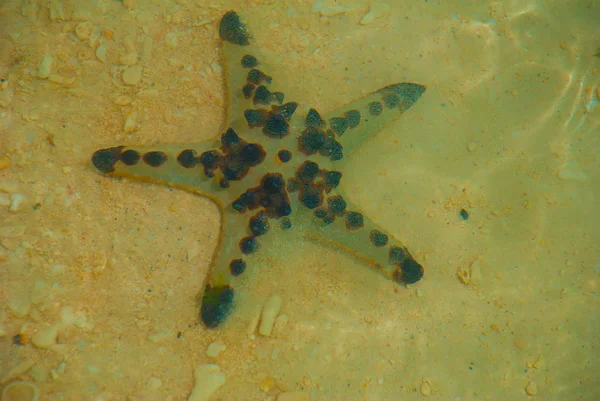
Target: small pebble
[(270, 311), (425, 388), (45, 66), (214, 349), (45, 338), (207, 379), (531, 388), (132, 75), (101, 53)]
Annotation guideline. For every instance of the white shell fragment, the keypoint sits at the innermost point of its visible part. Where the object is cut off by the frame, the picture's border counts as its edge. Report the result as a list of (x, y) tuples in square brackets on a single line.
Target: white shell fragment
[(270, 311), (21, 391), (45, 338), (207, 379)]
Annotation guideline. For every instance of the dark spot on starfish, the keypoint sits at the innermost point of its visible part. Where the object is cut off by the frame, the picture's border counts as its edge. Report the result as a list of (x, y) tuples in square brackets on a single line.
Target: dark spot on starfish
[(320, 213), (130, 157), (375, 108), (352, 118), (409, 273), (188, 158), (209, 161), (307, 171), (256, 118), (331, 148), (249, 245), (249, 61), (216, 305), (248, 90), (337, 205), (105, 159), (464, 214), (276, 126), (287, 110), (354, 221), (391, 100), (313, 119), (310, 140), (378, 238), (284, 155), (328, 219), (257, 77), (310, 198), (278, 97), (270, 194), (252, 154), (397, 255), (154, 159), (237, 267), (262, 95), (224, 183), (259, 224), (339, 125), (232, 30), (286, 223), (332, 179)]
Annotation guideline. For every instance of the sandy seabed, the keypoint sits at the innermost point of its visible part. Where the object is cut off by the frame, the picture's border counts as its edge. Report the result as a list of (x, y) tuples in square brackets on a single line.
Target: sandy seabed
[(106, 271)]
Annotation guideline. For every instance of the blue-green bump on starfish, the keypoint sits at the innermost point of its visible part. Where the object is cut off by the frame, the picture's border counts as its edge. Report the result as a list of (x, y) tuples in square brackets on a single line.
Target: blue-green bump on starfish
[(276, 171)]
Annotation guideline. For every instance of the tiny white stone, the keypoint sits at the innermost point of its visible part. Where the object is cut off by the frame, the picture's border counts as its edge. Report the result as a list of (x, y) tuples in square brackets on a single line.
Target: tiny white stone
[(330, 11), (45, 338), (101, 53), (45, 66), (132, 75), (214, 349), (207, 379), (270, 311)]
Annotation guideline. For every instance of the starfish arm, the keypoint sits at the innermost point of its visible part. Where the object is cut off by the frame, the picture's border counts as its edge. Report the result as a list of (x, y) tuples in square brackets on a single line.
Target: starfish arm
[(172, 165), (356, 234), (357, 121)]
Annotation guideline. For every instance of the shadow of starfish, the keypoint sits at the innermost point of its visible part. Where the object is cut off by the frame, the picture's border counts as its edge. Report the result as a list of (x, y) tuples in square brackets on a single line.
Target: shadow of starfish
[(276, 171)]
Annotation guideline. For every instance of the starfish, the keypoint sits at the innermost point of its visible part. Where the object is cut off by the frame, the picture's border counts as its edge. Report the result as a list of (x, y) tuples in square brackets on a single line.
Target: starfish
[(277, 170)]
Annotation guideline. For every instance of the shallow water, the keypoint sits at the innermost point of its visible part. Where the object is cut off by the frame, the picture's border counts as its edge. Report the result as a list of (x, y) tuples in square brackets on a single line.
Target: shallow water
[(507, 130)]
